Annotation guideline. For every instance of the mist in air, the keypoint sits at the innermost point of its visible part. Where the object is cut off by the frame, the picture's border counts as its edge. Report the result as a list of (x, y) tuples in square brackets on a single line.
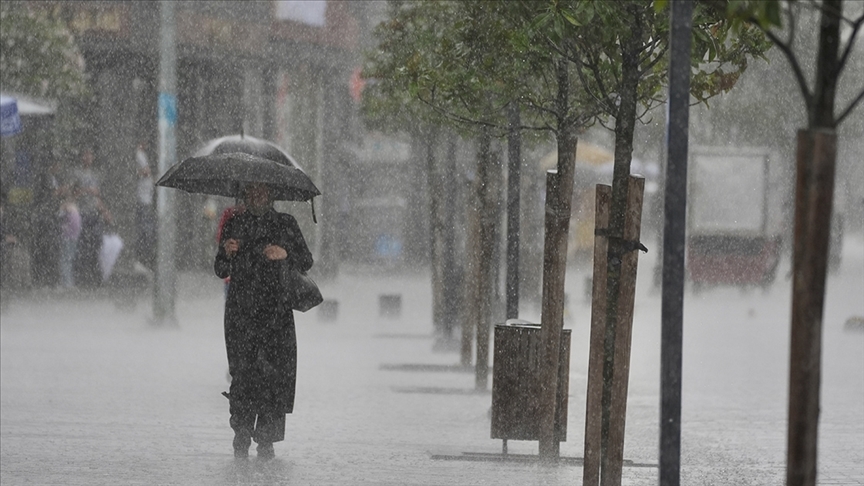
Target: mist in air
[(113, 359)]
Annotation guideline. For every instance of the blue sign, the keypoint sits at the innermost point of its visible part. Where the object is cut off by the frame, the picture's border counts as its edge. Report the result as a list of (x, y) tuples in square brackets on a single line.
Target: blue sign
[(388, 246), (10, 122), (168, 108)]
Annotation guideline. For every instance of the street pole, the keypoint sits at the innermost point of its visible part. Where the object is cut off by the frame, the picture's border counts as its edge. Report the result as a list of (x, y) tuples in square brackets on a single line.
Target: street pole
[(165, 278), (675, 206)]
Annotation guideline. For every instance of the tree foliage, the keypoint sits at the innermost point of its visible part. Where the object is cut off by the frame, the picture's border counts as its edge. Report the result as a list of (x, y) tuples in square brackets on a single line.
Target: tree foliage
[(464, 61), (38, 54), (781, 21)]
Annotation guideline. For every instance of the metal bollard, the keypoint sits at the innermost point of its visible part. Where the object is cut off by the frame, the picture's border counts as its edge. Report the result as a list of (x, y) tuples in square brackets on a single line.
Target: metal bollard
[(328, 311), (390, 305)]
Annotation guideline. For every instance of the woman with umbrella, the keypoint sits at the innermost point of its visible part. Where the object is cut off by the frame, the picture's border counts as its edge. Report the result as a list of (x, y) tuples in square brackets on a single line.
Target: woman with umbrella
[(263, 252), (259, 325)]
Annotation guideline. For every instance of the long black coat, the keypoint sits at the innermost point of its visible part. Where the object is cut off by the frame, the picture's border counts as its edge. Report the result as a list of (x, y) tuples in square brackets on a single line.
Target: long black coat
[(259, 329)]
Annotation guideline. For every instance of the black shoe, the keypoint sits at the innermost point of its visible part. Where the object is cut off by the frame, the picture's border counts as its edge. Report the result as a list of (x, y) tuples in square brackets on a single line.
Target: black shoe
[(242, 441), (265, 450)]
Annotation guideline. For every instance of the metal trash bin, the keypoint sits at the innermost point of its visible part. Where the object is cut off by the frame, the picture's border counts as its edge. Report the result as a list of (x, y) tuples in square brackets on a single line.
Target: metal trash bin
[(516, 383)]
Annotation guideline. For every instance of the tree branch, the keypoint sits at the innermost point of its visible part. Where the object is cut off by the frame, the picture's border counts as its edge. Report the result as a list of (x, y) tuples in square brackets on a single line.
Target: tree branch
[(856, 25), (851, 107), (655, 60), (595, 70), (793, 61), (602, 100), (649, 51)]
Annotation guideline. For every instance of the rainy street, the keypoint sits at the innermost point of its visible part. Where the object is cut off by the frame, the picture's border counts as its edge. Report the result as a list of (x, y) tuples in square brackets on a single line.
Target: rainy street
[(455, 243), (92, 394)]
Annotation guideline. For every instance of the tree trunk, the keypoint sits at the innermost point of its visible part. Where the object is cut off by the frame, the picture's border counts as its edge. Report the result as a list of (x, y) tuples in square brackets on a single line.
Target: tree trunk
[(813, 198), (827, 66), (489, 173), (471, 277), (436, 229), (450, 277), (624, 124), (559, 194), (514, 166), (814, 192)]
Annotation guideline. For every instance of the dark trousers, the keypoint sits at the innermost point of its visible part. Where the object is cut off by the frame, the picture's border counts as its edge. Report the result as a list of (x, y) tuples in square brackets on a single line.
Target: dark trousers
[(145, 237), (45, 250), (254, 404), (263, 427), (87, 271), (259, 416), (262, 359)]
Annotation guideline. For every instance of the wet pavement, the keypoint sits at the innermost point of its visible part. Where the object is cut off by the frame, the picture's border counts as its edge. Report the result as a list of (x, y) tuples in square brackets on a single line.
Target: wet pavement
[(92, 393)]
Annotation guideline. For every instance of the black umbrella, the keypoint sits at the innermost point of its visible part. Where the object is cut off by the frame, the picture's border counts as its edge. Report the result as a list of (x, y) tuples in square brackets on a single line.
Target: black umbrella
[(225, 174), (247, 145), (299, 188)]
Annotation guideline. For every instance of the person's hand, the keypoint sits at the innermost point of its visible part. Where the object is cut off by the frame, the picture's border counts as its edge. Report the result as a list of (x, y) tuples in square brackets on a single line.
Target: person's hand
[(231, 246), (274, 252)]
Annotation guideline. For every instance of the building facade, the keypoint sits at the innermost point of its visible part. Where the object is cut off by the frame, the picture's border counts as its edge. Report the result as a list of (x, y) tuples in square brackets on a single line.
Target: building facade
[(279, 70)]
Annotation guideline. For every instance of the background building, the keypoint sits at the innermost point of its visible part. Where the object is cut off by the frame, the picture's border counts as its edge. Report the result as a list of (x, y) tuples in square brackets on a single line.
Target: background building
[(287, 71)]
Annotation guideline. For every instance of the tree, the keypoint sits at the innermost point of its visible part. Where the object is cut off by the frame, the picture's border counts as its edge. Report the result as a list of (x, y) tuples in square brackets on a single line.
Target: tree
[(622, 49), (454, 59), (815, 167), (567, 64), (387, 106), (38, 55)]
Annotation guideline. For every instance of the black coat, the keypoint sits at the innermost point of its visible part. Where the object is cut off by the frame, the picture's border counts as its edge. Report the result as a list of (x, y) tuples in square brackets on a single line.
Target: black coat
[(259, 329)]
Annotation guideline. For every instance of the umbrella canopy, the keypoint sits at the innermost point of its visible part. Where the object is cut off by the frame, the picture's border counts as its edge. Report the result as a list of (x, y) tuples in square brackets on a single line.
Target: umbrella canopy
[(247, 145), (226, 174)]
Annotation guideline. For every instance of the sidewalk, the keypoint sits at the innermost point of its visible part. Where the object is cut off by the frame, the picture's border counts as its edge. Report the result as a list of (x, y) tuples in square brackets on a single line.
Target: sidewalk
[(94, 395)]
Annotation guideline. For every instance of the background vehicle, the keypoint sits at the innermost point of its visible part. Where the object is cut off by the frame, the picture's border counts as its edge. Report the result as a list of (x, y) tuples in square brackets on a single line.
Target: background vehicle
[(734, 216)]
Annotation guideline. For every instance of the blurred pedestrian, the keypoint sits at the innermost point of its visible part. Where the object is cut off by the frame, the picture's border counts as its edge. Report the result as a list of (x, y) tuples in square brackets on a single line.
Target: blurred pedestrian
[(45, 248), (145, 218), (70, 231), (259, 326), (94, 217), (7, 240)]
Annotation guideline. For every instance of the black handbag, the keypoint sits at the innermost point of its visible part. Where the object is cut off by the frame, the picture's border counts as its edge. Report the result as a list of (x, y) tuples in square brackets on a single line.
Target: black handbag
[(301, 292)]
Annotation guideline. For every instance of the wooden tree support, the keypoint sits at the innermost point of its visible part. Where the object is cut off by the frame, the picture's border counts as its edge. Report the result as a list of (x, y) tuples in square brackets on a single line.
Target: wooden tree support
[(604, 465), (594, 394)]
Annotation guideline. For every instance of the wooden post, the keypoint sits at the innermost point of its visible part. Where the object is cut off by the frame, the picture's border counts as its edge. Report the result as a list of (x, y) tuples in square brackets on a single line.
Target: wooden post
[(816, 155), (559, 191), (594, 394), (611, 474)]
